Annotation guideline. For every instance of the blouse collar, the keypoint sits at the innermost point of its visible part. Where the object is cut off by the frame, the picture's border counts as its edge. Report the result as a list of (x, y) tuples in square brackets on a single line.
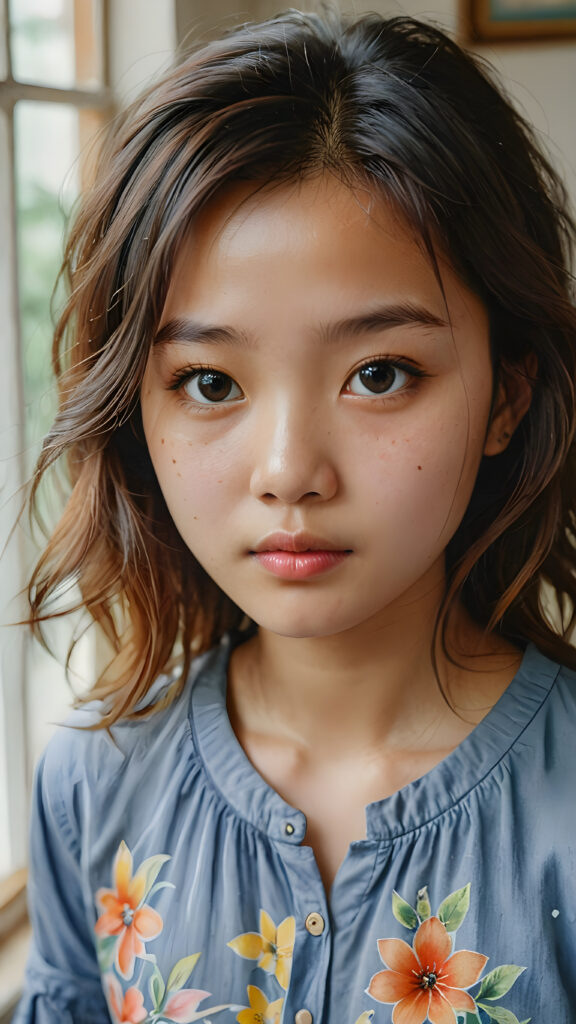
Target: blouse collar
[(417, 803)]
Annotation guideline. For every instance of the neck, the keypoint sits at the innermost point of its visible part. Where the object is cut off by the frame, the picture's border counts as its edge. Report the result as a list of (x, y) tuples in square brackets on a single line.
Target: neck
[(371, 688)]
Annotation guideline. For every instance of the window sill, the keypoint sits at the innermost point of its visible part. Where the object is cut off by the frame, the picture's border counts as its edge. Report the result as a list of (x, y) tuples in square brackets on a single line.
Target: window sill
[(15, 934), (12, 902), (13, 954)]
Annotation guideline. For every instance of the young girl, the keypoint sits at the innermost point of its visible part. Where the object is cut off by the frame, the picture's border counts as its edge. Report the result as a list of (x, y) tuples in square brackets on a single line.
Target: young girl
[(317, 407)]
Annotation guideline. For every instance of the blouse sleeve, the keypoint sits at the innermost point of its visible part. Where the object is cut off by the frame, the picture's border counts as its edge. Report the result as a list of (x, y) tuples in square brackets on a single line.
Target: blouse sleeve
[(62, 983)]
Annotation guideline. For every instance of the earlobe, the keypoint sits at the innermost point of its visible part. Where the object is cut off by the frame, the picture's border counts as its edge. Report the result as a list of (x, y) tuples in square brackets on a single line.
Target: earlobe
[(511, 405)]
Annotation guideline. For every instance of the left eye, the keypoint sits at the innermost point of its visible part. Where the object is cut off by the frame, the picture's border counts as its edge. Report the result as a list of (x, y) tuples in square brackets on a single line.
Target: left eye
[(209, 387), (380, 377)]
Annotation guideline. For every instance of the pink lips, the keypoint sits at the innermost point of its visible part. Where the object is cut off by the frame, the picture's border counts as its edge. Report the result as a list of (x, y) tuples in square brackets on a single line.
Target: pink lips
[(297, 556)]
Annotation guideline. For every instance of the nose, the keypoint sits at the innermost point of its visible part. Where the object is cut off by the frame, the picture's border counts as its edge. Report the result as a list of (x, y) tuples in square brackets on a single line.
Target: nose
[(293, 457)]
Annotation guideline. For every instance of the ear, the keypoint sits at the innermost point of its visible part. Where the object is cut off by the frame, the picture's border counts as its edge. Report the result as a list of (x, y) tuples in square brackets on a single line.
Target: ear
[(512, 402)]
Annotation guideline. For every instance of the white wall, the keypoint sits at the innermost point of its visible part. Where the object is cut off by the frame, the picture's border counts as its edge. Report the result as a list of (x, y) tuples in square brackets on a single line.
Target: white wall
[(541, 78), (142, 40)]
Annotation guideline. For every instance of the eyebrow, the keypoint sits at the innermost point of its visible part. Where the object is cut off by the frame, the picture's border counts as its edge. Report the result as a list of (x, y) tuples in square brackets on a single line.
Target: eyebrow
[(185, 329), (402, 314)]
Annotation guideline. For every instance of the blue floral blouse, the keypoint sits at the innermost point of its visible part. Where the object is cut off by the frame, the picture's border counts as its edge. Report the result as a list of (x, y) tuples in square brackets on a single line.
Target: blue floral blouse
[(169, 883)]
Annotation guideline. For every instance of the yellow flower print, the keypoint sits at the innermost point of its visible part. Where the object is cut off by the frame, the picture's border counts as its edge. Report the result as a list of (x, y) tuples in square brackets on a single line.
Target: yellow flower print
[(260, 1010), (272, 947)]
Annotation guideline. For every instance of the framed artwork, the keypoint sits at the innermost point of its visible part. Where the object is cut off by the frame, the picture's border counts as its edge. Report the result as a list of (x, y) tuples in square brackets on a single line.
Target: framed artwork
[(490, 20)]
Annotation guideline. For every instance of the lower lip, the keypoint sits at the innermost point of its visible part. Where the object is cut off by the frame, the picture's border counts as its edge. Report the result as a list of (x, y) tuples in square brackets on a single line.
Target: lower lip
[(299, 565)]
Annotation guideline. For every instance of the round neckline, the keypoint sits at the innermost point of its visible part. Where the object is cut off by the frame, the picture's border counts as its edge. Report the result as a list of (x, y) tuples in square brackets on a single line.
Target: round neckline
[(417, 803)]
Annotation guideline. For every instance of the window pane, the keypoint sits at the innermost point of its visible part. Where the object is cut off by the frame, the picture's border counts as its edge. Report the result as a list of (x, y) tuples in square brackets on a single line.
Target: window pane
[(46, 144), (50, 160), (56, 42), (46, 155), (13, 795), (3, 54)]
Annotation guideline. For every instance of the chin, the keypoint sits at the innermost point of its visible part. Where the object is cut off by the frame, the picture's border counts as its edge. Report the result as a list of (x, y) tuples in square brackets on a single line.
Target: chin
[(294, 631), (304, 627)]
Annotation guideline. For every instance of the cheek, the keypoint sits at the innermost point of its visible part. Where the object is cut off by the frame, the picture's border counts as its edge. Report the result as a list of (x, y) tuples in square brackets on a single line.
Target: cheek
[(423, 478), (198, 480)]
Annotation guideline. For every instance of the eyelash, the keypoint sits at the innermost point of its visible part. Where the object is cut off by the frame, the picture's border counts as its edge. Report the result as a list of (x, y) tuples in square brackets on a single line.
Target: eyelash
[(187, 373), (413, 372)]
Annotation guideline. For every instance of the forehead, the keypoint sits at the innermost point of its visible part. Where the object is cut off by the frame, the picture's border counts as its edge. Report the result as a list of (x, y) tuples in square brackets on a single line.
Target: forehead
[(277, 214), (316, 247)]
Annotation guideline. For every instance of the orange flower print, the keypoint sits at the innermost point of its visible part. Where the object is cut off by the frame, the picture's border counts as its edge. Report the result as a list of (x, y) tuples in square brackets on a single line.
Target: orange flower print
[(125, 1009), (125, 915), (426, 982)]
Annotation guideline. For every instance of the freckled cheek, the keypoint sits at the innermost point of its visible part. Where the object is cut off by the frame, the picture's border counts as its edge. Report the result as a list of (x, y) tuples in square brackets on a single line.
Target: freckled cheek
[(416, 476), (193, 477)]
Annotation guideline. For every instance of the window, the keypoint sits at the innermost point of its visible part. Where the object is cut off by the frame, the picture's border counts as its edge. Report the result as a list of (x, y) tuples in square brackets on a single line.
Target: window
[(57, 58), (53, 96)]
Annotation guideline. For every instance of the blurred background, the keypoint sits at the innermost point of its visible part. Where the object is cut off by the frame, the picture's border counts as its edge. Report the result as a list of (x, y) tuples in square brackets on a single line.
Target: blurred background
[(65, 66)]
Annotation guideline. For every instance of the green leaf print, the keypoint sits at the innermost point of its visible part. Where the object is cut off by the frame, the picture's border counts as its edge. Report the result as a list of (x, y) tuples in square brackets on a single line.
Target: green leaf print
[(150, 869), (499, 981), (403, 912), (106, 950), (423, 908), (160, 885), (454, 908), (157, 989), (181, 972), (501, 1015)]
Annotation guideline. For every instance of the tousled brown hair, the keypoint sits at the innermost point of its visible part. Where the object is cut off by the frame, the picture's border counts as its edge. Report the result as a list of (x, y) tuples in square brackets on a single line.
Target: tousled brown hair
[(393, 103)]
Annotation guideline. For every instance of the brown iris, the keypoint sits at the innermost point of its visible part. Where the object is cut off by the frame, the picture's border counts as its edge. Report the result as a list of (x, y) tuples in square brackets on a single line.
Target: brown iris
[(213, 385)]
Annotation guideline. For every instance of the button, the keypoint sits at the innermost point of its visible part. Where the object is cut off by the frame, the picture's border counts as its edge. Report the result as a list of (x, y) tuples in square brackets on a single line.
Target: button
[(315, 925), (289, 828), (303, 1017)]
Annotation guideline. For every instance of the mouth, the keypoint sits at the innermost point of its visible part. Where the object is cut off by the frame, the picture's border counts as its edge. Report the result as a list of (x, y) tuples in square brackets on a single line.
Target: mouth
[(298, 556), (296, 543)]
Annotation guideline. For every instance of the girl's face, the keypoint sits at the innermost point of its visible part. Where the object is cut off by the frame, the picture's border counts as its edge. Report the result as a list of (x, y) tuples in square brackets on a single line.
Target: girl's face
[(315, 408)]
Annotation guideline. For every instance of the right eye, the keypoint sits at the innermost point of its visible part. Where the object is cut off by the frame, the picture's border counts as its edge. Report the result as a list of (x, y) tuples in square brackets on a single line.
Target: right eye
[(210, 387)]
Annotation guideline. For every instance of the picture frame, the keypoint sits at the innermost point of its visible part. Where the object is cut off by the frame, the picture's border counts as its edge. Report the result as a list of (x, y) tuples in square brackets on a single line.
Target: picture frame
[(508, 20)]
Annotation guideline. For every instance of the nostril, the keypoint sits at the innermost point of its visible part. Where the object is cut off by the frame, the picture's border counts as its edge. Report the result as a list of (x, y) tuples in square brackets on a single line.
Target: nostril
[(292, 481), (270, 496)]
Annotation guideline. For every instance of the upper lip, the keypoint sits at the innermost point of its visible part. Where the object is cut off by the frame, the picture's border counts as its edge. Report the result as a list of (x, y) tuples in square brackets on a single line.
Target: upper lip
[(296, 542)]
